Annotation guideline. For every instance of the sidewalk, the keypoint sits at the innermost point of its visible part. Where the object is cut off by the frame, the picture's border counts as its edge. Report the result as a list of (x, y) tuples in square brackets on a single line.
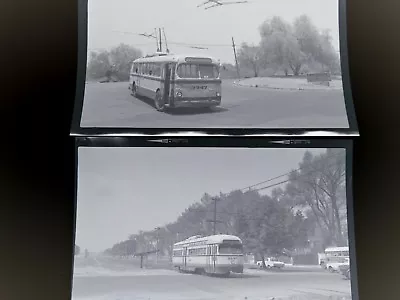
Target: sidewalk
[(287, 84)]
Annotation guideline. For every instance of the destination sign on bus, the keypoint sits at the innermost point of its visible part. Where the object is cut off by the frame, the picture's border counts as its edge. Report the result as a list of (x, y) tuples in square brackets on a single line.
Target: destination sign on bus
[(198, 60)]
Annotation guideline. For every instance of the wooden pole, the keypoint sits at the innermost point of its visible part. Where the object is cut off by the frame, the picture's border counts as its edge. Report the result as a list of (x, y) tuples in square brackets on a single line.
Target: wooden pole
[(236, 60)]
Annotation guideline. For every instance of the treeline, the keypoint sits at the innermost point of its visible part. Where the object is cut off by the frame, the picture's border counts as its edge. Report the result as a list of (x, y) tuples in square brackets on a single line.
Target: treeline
[(120, 57), (77, 250), (290, 48), (307, 212), (285, 48)]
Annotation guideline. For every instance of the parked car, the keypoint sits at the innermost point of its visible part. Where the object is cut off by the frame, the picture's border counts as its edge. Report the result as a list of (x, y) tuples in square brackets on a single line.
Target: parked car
[(270, 263)]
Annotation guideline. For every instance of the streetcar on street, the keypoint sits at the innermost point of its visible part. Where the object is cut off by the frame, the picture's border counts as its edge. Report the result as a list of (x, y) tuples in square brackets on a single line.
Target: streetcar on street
[(174, 81), (333, 258), (215, 254)]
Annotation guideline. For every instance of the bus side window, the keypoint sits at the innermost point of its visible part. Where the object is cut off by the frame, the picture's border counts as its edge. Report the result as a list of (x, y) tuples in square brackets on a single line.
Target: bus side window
[(157, 70)]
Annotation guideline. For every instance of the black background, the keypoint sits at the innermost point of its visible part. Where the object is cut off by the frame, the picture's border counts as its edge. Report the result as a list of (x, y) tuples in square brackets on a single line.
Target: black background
[(38, 64)]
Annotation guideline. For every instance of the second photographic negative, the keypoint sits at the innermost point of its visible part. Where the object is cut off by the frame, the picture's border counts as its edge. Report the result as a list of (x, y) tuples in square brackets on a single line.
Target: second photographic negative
[(212, 224)]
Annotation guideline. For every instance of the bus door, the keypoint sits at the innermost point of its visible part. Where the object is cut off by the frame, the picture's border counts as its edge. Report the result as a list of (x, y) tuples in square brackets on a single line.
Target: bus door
[(214, 256), (208, 258), (184, 257), (167, 81)]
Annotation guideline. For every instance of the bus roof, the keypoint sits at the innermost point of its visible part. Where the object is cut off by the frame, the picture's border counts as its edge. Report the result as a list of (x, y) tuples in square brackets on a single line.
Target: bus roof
[(336, 249), (177, 58), (212, 239)]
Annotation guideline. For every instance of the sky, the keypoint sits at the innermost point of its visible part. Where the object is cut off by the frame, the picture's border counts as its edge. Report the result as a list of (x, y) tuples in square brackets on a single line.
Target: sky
[(124, 190), (120, 21)]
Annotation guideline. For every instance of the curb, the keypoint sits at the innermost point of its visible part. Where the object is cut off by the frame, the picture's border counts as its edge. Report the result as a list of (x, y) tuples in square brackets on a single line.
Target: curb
[(268, 87), (281, 89)]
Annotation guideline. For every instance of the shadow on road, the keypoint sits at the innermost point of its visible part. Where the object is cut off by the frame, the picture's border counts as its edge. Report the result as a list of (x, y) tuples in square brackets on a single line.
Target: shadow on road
[(294, 270), (234, 276), (183, 111), (195, 111)]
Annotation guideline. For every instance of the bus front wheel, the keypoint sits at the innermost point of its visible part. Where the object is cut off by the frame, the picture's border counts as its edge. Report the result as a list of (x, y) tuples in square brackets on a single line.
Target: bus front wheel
[(159, 101), (133, 90)]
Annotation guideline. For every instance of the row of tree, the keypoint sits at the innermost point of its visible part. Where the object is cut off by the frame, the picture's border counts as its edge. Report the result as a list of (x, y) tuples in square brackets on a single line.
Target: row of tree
[(284, 47), (77, 250), (296, 48), (120, 58), (313, 200)]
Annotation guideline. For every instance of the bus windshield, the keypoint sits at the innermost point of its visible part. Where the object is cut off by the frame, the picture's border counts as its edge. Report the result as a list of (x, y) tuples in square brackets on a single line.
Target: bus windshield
[(198, 71), (229, 248), (273, 259)]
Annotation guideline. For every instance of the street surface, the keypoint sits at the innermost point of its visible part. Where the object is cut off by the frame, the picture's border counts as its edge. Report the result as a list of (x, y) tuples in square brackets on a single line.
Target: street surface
[(111, 105), (111, 279)]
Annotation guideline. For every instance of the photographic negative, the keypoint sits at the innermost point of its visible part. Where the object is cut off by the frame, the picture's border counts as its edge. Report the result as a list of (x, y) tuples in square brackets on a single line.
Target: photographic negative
[(269, 65), (165, 223)]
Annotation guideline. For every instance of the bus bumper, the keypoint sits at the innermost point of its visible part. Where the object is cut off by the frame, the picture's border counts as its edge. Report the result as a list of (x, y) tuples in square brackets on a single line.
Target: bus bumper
[(196, 102)]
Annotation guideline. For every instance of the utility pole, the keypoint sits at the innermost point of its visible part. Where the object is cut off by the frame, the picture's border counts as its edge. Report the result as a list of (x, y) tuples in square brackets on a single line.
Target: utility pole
[(234, 52), (215, 215), (157, 230), (215, 221)]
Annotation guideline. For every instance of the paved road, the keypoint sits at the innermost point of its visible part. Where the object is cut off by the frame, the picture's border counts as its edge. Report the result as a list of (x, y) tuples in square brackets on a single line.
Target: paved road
[(111, 105), (136, 284)]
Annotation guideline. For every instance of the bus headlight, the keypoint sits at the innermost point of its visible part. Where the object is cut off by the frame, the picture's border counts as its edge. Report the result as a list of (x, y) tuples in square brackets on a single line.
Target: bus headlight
[(179, 94), (218, 94)]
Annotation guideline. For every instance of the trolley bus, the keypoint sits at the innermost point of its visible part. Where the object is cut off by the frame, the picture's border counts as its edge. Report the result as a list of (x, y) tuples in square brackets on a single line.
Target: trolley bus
[(333, 257), (174, 81), (215, 254)]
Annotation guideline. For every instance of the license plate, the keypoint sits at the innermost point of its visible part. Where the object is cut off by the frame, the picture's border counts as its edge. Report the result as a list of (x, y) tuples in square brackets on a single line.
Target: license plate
[(200, 87)]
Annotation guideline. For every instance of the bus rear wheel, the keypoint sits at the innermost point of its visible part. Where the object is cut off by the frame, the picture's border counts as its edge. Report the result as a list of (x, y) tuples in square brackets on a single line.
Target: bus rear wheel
[(159, 102)]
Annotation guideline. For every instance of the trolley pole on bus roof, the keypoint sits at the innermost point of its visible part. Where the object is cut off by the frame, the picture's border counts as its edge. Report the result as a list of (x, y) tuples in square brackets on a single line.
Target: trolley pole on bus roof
[(159, 33), (158, 49), (236, 60), (166, 43)]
